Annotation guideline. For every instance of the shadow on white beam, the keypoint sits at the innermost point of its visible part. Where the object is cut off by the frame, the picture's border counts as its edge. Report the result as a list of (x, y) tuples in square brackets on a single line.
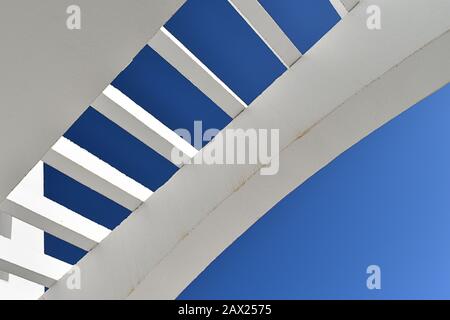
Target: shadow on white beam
[(96, 174), (172, 50), (36, 267), (5, 231), (163, 235), (343, 7), (123, 111), (30, 238), (93, 56), (27, 203), (268, 30)]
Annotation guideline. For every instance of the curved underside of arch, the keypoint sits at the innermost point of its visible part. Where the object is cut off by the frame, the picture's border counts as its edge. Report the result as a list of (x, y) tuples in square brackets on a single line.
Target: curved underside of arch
[(349, 84)]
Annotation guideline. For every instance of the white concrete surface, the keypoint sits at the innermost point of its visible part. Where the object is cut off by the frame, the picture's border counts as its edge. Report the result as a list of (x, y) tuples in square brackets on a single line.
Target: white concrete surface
[(349, 84), (268, 30)]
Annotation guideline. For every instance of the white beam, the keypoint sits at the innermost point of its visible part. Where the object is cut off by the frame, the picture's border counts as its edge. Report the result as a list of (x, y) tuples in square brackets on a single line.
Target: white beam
[(57, 220), (5, 231), (27, 264), (172, 50), (120, 109), (43, 99), (29, 238), (5, 225), (96, 174), (343, 7), (268, 30), (349, 4), (188, 217), (355, 119), (27, 203)]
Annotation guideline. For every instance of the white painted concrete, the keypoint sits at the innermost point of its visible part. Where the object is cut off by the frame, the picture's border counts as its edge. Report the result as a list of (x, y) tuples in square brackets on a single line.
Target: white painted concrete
[(172, 50), (5, 231), (27, 203), (30, 238), (343, 7), (268, 30), (348, 84), (28, 264), (137, 121), (96, 174), (352, 121), (349, 4), (51, 74)]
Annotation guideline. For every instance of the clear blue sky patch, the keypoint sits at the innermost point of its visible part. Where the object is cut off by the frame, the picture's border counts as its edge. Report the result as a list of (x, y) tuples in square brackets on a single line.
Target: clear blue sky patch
[(216, 33), (159, 88), (304, 21)]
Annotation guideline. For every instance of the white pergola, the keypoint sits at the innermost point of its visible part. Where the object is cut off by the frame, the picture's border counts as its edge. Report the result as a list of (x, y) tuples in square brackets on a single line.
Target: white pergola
[(349, 84)]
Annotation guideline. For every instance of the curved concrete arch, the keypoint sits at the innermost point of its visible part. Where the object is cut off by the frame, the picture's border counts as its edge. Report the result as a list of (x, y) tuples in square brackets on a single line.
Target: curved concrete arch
[(351, 83)]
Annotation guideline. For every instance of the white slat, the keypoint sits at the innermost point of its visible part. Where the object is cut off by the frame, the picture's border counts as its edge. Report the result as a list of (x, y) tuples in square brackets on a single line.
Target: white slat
[(268, 30), (27, 203), (172, 50), (39, 100), (123, 111), (343, 7), (36, 267), (96, 174)]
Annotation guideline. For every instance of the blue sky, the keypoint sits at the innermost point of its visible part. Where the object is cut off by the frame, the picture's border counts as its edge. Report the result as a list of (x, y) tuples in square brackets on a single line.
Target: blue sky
[(385, 201), (224, 42)]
